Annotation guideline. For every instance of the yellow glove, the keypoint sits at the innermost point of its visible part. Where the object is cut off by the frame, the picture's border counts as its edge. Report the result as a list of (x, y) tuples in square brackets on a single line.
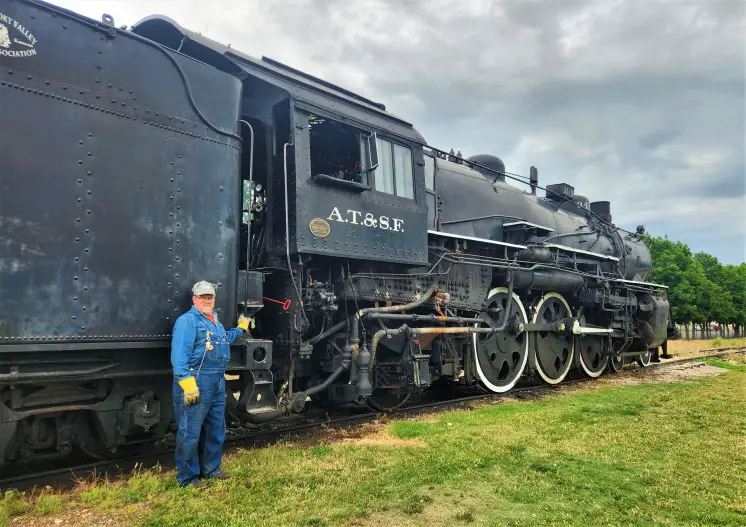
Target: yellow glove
[(243, 322), (191, 392)]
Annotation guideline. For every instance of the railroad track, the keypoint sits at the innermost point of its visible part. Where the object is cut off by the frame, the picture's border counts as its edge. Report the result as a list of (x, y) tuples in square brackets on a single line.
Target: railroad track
[(163, 455)]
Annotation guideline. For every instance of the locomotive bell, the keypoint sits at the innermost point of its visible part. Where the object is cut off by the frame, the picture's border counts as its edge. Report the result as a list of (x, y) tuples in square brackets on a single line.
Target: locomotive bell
[(489, 161)]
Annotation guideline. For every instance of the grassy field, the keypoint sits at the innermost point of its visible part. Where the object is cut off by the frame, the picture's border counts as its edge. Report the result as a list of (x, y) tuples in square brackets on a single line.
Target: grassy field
[(648, 454)]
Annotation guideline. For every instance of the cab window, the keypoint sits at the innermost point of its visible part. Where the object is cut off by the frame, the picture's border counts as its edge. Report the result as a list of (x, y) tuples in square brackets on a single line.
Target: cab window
[(394, 174), (335, 149), (430, 189), (429, 173)]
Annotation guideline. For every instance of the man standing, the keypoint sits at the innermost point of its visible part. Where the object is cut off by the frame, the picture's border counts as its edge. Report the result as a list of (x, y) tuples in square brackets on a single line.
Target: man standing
[(200, 350)]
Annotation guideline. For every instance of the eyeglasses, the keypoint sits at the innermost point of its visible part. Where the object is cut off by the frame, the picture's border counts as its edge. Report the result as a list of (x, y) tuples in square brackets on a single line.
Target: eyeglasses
[(206, 298)]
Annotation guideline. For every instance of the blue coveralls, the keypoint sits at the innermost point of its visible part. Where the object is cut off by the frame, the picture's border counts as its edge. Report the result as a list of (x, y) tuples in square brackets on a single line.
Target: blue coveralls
[(199, 440)]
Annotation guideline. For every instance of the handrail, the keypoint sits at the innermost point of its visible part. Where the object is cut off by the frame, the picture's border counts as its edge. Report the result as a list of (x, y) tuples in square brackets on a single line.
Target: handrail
[(287, 229), (248, 223)]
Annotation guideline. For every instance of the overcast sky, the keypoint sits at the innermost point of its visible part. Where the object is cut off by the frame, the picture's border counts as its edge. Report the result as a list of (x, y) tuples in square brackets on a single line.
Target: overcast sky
[(637, 102)]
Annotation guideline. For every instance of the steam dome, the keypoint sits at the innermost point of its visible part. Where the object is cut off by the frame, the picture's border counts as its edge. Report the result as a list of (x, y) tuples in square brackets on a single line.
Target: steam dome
[(489, 161)]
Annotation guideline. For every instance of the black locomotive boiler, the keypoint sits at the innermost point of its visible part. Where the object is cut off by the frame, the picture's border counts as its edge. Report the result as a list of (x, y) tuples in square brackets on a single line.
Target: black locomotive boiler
[(136, 162)]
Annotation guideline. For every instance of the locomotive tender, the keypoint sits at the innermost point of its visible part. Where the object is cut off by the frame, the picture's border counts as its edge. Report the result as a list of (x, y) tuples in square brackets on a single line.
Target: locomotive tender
[(135, 162)]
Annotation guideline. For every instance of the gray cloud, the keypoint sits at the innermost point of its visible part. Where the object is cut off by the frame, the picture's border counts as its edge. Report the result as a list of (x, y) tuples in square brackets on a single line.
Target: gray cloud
[(641, 103)]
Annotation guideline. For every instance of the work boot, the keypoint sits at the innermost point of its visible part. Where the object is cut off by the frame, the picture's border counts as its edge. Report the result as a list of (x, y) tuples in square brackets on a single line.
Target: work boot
[(197, 484), (221, 475)]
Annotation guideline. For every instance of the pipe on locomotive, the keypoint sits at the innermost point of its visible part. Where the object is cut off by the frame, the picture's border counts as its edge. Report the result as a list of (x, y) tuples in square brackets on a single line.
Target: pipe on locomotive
[(355, 330), (401, 307), (323, 334), (363, 386), (536, 275), (530, 277), (352, 346), (298, 401), (432, 317), (404, 329)]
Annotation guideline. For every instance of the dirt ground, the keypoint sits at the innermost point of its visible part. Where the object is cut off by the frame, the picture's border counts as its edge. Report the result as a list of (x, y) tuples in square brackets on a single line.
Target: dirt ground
[(668, 374), (383, 438), (83, 518), (690, 348)]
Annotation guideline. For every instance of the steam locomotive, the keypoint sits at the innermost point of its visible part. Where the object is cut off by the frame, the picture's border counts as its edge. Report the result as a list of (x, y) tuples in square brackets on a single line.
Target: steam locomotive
[(136, 162)]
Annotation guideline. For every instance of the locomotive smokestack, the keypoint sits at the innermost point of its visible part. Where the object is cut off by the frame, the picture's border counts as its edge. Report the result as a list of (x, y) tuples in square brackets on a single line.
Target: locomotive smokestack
[(602, 209), (534, 179)]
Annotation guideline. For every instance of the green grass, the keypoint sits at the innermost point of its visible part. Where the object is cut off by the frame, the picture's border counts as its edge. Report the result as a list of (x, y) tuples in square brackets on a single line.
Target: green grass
[(725, 364), (464, 515), (651, 454), (729, 342), (48, 504), (12, 504)]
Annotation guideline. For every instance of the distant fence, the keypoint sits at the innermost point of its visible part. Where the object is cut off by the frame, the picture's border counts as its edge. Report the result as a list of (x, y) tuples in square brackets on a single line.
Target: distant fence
[(694, 332)]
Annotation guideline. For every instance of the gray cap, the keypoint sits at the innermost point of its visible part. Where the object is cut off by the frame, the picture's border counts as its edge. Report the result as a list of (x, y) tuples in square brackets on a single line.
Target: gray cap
[(203, 288)]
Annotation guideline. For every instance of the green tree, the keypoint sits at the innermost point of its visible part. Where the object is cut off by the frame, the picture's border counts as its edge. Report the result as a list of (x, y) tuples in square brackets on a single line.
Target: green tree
[(701, 289), (734, 280), (720, 308), (671, 267)]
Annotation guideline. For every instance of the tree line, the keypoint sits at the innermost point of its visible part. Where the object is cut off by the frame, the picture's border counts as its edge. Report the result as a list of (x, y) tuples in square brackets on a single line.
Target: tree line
[(701, 289)]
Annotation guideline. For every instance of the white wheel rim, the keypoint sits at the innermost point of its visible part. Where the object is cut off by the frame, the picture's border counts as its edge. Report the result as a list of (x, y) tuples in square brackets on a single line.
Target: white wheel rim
[(480, 373), (645, 359), (588, 371), (612, 363), (541, 373)]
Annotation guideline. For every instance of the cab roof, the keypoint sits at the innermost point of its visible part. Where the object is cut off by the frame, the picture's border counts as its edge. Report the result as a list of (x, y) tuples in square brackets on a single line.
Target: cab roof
[(301, 86)]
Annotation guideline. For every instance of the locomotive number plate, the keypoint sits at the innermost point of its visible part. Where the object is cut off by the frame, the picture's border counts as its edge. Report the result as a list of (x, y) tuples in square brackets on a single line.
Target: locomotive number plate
[(319, 227)]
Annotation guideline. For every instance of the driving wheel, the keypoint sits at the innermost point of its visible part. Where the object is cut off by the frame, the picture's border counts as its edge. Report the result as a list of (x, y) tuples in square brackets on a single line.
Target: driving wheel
[(551, 352), (644, 360), (502, 357), (591, 354)]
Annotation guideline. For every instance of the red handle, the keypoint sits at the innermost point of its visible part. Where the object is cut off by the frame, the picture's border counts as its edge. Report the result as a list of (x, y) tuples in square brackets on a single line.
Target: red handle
[(285, 305)]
